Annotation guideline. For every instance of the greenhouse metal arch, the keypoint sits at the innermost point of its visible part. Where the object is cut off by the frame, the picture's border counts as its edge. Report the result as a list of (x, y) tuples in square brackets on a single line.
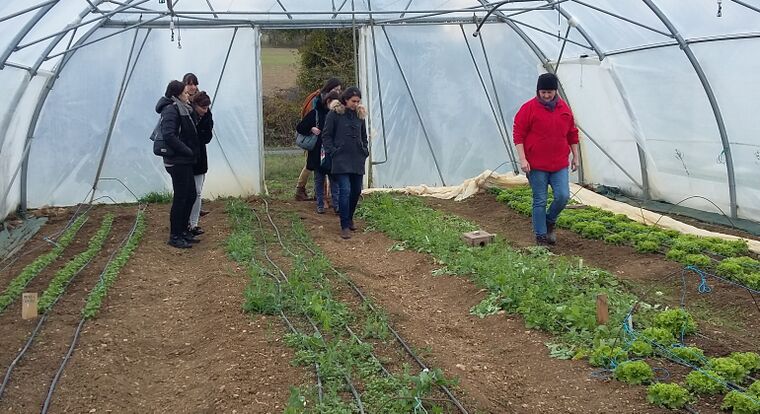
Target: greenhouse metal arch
[(657, 87)]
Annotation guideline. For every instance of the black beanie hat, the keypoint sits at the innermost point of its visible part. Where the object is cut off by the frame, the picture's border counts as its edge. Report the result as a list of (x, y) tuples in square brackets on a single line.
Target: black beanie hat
[(547, 81)]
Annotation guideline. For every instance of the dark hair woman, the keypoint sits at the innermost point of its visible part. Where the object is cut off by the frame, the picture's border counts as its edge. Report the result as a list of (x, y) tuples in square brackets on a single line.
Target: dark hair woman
[(544, 135), (345, 140), (204, 127), (313, 123), (191, 84), (178, 130)]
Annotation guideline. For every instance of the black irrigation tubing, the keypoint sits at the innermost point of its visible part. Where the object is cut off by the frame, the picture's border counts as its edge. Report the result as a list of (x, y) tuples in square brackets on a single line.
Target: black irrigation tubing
[(398, 337), (320, 392), (36, 330), (78, 331), (316, 329)]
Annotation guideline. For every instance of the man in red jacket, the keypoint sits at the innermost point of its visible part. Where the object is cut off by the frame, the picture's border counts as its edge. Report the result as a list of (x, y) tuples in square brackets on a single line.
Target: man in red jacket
[(545, 134)]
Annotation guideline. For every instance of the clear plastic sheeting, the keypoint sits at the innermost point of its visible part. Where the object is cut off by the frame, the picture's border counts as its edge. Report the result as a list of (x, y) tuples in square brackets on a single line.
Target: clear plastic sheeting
[(678, 126), (591, 86), (74, 125)]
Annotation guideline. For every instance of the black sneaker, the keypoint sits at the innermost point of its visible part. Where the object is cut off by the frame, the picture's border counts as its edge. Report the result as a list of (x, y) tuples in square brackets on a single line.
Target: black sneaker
[(320, 210), (542, 240), (189, 238), (551, 236), (196, 231), (178, 242)]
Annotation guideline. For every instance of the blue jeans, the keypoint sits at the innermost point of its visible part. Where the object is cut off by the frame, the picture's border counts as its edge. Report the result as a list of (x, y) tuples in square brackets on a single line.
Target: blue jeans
[(539, 184), (349, 188), (319, 189)]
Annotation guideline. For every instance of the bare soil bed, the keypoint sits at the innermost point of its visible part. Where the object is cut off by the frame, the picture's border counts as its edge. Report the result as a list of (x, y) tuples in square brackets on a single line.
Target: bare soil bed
[(172, 337)]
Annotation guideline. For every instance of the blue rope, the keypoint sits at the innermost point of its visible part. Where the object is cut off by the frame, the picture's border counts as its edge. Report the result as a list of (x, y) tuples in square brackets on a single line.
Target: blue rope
[(705, 288)]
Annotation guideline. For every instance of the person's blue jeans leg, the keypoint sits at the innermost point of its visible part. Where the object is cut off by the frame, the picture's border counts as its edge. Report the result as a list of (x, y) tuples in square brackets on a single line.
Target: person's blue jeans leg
[(356, 192), (344, 192), (539, 185), (560, 182), (334, 192), (319, 188)]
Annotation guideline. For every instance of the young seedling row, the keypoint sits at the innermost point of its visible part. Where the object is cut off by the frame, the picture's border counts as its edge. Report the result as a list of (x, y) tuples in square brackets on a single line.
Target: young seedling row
[(67, 274), (341, 353)]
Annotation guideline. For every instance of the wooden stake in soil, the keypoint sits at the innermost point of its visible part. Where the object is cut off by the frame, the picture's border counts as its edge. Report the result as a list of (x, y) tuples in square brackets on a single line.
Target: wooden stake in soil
[(602, 309), (28, 306)]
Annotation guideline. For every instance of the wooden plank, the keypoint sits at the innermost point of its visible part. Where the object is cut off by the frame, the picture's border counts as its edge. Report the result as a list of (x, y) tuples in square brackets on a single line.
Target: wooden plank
[(602, 309)]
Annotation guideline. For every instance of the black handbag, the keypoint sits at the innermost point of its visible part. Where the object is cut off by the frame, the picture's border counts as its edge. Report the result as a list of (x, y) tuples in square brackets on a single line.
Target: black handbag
[(308, 142), (160, 147), (325, 165)]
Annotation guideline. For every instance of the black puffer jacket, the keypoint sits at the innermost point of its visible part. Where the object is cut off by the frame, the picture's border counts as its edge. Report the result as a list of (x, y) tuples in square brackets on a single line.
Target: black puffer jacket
[(345, 139), (178, 130), (304, 128), (205, 129)]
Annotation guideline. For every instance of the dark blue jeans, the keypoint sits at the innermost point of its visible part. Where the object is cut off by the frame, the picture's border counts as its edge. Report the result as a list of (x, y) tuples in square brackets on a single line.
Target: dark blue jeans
[(349, 188), (539, 183), (183, 185), (319, 189)]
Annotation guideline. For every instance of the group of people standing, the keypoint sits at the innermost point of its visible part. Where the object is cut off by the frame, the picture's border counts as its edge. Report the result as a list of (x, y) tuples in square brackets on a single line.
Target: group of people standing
[(544, 135), (337, 119), (186, 126)]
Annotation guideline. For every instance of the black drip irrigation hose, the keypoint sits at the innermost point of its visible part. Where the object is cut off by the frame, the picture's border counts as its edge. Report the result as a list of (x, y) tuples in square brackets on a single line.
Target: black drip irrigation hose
[(37, 329), (320, 392), (78, 331), (314, 326), (398, 337)]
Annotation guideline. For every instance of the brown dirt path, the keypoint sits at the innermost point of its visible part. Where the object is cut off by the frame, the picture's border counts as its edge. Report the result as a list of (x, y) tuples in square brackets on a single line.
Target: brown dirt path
[(502, 366), (172, 336)]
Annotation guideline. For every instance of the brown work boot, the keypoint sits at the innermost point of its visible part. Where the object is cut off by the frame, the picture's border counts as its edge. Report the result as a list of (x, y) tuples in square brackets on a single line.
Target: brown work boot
[(345, 233), (301, 194)]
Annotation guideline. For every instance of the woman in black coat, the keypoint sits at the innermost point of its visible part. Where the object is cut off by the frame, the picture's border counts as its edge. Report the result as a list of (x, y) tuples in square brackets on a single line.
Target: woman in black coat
[(204, 126), (345, 141), (178, 130), (313, 123)]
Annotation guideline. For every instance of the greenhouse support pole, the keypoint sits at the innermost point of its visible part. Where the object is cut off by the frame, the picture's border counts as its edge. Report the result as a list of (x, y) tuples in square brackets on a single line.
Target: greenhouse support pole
[(38, 110), (500, 123), (749, 6), (571, 21), (24, 31), (711, 97), (216, 92), (27, 10), (637, 132), (117, 106), (379, 92), (414, 104)]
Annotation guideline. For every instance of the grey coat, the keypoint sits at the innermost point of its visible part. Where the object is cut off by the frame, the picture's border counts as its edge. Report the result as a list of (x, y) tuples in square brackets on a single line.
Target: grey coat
[(344, 138)]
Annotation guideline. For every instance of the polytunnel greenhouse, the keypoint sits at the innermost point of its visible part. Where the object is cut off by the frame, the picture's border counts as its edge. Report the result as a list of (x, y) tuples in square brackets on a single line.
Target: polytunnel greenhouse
[(425, 304), (656, 87)]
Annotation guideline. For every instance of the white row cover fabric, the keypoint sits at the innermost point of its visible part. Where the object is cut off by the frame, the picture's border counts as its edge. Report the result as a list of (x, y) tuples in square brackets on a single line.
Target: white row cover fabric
[(75, 120)]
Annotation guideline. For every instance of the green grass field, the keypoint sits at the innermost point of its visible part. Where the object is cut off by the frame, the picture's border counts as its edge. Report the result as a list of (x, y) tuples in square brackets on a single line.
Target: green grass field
[(282, 172)]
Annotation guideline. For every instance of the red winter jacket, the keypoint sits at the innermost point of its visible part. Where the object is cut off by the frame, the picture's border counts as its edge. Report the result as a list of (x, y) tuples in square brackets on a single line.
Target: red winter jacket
[(546, 136)]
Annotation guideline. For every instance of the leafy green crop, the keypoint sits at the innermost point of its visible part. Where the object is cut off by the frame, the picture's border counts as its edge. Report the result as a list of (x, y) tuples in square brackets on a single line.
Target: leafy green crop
[(741, 403), (705, 382), (666, 395), (594, 230), (74, 266), (634, 372), (641, 348), (615, 238), (660, 336), (647, 246), (749, 360), (678, 321), (690, 354), (728, 368), (606, 356), (95, 298), (17, 285)]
